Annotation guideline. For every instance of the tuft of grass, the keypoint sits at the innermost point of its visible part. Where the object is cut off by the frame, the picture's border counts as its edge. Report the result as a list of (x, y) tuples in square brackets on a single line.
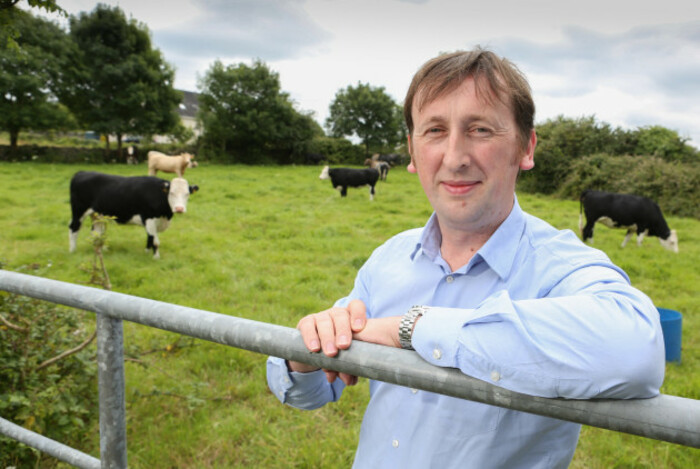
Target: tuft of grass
[(273, 244)]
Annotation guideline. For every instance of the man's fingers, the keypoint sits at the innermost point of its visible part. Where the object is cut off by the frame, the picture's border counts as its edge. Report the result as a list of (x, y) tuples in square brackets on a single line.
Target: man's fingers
[(341, 323), (307, 327), (331, 330), (349, 380), (358, 315)]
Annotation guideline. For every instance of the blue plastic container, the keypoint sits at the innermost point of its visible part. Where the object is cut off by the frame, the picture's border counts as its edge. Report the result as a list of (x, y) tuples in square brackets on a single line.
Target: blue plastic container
[(671, 324)]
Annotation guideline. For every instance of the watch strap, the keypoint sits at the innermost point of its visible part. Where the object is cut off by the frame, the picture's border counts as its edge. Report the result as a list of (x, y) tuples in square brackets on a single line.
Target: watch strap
[(406, 325)]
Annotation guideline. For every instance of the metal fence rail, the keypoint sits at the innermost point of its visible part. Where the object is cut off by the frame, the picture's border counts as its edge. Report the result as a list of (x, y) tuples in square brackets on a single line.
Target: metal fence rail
[(668, 418)]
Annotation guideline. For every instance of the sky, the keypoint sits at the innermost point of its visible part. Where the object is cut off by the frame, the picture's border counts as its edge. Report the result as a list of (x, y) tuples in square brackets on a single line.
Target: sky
[(629, 63)]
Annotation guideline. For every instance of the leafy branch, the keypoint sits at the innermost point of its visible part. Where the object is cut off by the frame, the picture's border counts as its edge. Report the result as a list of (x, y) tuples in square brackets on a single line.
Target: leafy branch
[(98, 276)]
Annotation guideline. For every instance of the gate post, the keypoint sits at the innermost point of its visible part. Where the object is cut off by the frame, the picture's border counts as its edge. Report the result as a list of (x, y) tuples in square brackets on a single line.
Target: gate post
[(110, 365)]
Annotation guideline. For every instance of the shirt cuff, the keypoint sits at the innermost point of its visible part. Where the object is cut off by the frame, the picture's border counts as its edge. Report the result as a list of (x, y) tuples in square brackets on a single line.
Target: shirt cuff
[(436, 335), (291, 387)]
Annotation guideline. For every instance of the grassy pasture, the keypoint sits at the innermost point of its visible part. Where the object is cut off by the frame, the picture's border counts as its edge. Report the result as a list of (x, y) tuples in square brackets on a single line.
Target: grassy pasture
[(272, 244)]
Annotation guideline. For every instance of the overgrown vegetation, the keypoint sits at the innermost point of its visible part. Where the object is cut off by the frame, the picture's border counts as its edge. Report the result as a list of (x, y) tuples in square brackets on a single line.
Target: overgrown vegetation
[(54, 397), (48, 378), (272, 244)]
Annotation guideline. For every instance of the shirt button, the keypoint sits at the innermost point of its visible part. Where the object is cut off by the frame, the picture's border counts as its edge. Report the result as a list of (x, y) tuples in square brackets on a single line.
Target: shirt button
[(395, 443), (282, 394), (414, 390), (437, 354), (450, 279), (495, 376)]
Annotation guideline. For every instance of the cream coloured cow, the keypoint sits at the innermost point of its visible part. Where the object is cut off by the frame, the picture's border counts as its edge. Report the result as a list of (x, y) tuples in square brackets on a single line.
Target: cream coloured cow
[(177, 164)]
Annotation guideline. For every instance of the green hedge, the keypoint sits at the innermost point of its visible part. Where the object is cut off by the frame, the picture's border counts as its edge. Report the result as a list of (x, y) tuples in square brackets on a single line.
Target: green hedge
[(674, 186), (338, 150), (58, 401), (77, 155)]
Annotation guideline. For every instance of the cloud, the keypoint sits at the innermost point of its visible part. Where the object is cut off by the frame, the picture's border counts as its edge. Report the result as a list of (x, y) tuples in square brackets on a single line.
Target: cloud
[(269, 29), (659, 58), (647, 75)]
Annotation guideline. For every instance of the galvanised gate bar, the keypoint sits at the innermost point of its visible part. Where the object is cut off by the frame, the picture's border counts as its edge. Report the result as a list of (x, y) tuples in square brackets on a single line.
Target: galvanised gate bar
[(668, 418)]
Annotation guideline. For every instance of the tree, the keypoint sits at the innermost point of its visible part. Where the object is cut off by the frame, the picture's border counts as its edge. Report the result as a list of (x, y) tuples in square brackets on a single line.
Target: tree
[(561, 141), (28, 76), (665, 143), (247, 118), (117, 83), (367, 113), (9, 14)]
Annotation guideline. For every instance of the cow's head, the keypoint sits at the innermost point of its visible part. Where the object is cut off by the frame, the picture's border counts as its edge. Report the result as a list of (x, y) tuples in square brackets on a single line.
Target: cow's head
[(670, 243), (178, 193), (189, 158), (324, 173)]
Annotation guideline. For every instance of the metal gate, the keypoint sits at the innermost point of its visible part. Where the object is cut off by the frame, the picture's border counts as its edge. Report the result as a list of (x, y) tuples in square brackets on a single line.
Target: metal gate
[(668, 418)]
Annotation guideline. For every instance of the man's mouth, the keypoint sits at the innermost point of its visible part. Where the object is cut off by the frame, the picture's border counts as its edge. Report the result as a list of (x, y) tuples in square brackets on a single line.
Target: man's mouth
[(459, 187)]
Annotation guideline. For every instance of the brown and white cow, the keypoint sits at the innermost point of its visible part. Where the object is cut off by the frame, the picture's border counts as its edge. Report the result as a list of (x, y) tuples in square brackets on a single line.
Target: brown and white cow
[(140, 200), (177, 164), (381, 166)]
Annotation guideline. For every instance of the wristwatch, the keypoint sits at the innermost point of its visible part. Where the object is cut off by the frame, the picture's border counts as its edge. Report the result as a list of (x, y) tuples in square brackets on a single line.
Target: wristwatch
[(406, 325)]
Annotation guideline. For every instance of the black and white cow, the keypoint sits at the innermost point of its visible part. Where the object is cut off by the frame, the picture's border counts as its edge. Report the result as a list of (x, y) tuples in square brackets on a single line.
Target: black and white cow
[(342, 178), (633, 212), (141, 200)]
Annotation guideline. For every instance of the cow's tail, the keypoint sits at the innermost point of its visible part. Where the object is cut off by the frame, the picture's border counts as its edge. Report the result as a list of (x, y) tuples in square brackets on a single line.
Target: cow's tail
[(580, 211)]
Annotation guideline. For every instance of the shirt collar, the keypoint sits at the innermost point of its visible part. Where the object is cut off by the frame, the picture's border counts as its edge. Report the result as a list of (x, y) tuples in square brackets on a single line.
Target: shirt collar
[(498, 252), (430, 240)]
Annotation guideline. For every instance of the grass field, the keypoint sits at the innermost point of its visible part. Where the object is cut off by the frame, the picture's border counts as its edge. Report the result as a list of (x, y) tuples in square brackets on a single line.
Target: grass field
[(273, 244)]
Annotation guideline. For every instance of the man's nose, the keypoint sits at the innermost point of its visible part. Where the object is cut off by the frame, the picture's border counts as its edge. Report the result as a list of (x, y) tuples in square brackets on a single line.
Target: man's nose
[(458, 153)]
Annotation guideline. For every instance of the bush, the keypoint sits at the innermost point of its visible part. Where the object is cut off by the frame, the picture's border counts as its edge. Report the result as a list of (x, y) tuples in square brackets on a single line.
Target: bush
[(338, 150), (58, 401), (87, 155), (674, 186)]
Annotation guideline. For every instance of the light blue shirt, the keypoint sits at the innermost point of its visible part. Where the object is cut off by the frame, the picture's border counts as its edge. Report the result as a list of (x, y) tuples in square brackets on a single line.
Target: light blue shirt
[(535, 311)]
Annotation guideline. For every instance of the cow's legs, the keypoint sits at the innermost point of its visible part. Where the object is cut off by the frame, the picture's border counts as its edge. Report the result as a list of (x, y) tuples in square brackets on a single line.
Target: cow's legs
[(588, 230), (627, 238), (640, 237), (371, 192), (343, 191), (74, 227), (152, 242)]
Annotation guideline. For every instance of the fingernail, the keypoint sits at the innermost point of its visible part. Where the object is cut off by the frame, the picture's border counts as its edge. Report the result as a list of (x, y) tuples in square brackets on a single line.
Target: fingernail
[(315, 345), (343, 340), (330, 347), (358, 323)]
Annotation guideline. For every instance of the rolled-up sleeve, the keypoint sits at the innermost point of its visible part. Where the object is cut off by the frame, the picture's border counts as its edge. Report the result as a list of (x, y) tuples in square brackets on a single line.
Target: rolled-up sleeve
[(585, 340), (301, 390)]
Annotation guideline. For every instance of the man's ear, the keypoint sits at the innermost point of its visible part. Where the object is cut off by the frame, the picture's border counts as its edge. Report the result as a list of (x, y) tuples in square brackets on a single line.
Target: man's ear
[(411, 168), (527, 159)]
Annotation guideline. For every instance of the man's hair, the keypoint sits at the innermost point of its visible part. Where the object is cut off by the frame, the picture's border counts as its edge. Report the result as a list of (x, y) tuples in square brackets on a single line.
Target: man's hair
[(494, 77)]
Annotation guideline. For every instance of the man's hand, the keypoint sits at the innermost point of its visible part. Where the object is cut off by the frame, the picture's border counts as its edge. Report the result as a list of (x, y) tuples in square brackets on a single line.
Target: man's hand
[(330, 331), (334, 329)]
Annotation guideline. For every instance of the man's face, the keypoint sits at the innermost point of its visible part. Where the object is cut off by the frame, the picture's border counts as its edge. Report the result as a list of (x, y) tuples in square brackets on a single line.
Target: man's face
[(467, 154)]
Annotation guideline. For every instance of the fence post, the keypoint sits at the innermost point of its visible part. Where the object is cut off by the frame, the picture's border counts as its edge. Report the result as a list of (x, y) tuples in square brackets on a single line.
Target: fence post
[(111, 381)]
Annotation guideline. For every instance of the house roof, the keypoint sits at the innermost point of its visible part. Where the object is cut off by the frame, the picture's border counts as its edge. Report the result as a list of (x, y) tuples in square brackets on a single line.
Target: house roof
[(189, 105)]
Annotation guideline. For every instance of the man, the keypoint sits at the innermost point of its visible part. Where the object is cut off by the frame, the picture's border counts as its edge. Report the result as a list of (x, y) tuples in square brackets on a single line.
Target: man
[(503, 296)]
